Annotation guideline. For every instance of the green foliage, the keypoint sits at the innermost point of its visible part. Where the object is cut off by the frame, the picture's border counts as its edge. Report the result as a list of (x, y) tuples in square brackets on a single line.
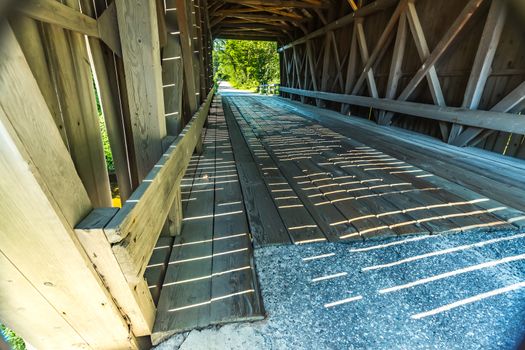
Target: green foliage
[(12, 339), (104, 132), (246, 64), (105, 143)]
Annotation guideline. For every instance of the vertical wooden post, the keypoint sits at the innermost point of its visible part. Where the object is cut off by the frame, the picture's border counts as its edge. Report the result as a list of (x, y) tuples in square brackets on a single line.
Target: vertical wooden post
[(482, 65), (28, 34), (351, 68), (69, 61), (187, 54), (395, 66), (172, 74), (201, 55), (137, 22), (105, 73)]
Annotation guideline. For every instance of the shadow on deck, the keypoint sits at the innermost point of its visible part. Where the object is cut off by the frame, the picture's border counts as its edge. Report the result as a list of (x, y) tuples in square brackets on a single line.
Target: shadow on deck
[(269, 176)]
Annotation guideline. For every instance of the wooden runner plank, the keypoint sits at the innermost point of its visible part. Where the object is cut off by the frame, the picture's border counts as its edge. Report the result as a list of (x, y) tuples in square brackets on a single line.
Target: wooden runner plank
[(186, 292), (266, 225), (234, 283), (301, 226)]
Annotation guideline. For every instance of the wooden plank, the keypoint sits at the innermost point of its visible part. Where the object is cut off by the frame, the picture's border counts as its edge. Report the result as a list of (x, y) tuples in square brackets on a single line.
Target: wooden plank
[(186, 42), (136, 227), (506, 104), (135, 301), (368, 73), (42, 198), (484, 119), (17, 293), (351, 68), (54, 12), (104, 73), (266, 226), (172, 79), (68, 16), (311, 65), (474, 135), (108, 28), (395, 65), (423, 52), (234, 281), (140, 50), (294, 168), (485, 54), (447, 208), (68, 59), (481, 67), (28, 34), (185, 298), (301, 227)]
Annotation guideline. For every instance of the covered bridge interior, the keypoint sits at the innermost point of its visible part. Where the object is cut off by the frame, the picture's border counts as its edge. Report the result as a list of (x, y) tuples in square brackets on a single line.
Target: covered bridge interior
[(396, 118)]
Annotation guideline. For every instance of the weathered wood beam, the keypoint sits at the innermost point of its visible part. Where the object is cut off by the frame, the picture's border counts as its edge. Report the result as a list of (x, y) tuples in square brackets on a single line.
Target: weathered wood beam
[(28, 34), (441, 47), (271, 18), (62, 15), (104, 74), (484, 119), (136, 227), (351, 68), (424, 52), (352, 5), (311, 65), (187, 54), (141, 52), (367, 10), (41, 199), (246, 37), (135, 300), (69, 61), (472, 136), (395, 65), (200, 52), (281, 3), (172, 78), (369, 61), (483, 61), (367, 73), (54, 12)]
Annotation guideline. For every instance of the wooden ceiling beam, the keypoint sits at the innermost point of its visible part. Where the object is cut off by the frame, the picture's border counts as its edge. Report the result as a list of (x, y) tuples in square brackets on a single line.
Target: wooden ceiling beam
[(282, 3), (264, 17)]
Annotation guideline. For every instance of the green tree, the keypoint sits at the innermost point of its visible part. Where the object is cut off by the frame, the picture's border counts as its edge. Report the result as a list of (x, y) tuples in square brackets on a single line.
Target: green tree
[(246, 64)]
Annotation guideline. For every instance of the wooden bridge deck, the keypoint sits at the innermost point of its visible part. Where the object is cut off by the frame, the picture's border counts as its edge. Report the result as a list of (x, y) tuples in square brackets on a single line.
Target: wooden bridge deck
[(270, 176)]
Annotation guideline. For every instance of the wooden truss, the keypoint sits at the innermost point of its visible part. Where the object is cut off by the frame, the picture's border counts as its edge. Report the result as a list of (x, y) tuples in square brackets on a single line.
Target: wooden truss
[(457, 127)]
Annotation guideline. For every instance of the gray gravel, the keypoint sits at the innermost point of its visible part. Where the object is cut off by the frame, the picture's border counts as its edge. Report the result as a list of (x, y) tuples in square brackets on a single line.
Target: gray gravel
[(299, 319)]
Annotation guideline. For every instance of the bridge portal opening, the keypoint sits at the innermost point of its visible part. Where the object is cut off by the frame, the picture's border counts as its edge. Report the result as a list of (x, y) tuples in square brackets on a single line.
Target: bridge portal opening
[(251, 65)]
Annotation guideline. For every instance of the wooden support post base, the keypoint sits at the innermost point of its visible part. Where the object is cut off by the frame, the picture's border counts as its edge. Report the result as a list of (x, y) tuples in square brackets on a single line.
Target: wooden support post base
[(175, 214), (199, 147)]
